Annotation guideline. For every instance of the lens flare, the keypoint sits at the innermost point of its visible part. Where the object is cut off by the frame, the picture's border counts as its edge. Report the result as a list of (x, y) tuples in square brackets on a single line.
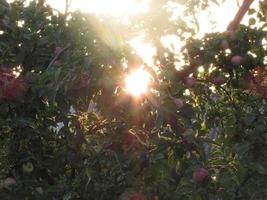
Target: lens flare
[(137, 82)]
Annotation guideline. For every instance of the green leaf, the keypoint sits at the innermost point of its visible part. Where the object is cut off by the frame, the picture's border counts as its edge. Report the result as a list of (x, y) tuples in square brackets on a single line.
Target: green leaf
[(159, 120), (197, 197), (249, 119), (260, 168), (4, 108), (242, 148), (187, 111), (67, 196), (251, 11)]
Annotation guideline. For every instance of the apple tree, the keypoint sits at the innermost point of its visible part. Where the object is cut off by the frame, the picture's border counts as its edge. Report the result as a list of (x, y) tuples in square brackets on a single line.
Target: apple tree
[(70, 130)]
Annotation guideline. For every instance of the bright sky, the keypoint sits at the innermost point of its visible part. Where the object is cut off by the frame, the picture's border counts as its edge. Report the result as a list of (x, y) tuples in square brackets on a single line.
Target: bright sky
[(116, 8), (222, 15)]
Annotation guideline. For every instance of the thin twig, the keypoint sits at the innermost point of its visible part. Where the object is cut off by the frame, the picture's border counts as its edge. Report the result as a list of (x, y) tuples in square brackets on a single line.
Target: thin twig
[(56, 56), (67, 6)]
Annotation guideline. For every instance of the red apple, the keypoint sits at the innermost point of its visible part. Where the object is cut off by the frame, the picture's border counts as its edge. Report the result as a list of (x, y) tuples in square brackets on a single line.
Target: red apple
[(135, 196), (11, 86), (179, 103), (219, 80), (200, 175), (237, 60), (225, 44), (189, 81)]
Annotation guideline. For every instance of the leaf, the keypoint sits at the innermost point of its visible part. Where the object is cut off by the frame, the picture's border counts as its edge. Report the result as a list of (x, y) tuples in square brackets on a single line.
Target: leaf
[(4, 108), (241, 149), (159, 120), (260, 168), (3, 44), (251, 11), (260, 129), (215, 2), (249, 119), (67, 196), (187, 111), (44, 40), (197, 197), (159, 156)]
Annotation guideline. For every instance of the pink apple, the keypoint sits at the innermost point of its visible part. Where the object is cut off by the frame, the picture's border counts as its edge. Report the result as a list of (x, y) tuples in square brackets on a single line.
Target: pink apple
[(189, 81), (179, 103), (225, 44), (200, 175), (219, 80), (237, 60)]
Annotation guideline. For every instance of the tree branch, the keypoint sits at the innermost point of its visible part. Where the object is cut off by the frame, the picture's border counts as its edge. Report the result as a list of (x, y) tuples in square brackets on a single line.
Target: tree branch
[(239, 15), (41, 2), (56, 56)]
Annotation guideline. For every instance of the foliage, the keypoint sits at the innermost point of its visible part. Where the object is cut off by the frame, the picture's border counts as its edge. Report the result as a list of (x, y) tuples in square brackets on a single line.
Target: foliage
[(55, 146)]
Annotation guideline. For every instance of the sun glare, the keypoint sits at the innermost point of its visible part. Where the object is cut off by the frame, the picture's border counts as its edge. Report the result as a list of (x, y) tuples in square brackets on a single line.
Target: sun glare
[(144, 49), (115, 8), (137, 82)]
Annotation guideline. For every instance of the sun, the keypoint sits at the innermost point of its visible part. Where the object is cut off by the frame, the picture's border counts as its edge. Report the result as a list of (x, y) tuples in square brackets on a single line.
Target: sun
[(137, 82)]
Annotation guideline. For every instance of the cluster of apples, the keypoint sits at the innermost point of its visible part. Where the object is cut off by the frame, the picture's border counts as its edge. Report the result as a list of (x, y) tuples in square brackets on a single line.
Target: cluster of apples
[(189, 82), (236, 59), (254, 78)]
